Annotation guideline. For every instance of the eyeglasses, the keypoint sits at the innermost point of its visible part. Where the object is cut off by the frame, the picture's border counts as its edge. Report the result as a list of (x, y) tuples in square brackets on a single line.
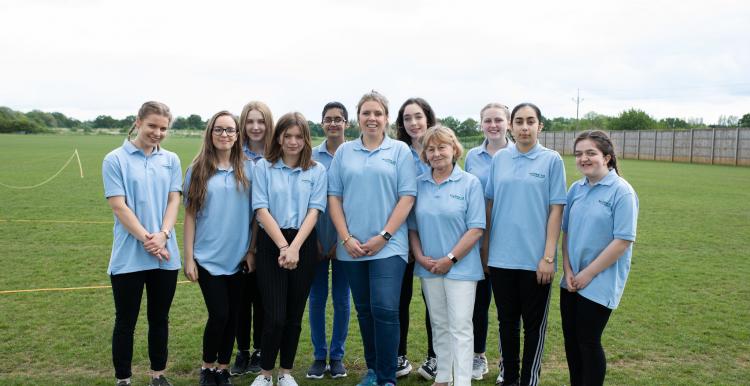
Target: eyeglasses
[(231, 131), (330, 120)]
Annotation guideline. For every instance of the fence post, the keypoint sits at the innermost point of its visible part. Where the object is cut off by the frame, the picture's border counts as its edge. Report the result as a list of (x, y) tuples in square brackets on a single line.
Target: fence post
[(638, 147), (692, 134), (656, 138), (737, 147), (671, 157), (713, 144), (563, 144)]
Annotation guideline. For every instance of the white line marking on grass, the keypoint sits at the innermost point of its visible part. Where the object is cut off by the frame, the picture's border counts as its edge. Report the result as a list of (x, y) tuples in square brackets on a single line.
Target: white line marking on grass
[(80, 168), (63, 221)]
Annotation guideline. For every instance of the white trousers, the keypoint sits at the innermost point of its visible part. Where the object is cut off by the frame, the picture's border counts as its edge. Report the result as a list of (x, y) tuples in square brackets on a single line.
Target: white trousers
[(451, 305)]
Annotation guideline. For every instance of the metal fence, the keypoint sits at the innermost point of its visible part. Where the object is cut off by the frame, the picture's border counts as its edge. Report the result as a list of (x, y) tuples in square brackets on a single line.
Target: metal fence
[(706, 146)]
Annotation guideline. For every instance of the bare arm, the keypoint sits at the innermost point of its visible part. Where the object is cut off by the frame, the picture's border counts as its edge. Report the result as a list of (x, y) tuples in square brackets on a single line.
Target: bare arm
[(191, 270), (159, 239), (546, 271), (127, 218), (606, 258), (252, 249), (292, 253), (398, 216), (415, 243), (461, 249), (567, 268), (484, 250), (336, 210)]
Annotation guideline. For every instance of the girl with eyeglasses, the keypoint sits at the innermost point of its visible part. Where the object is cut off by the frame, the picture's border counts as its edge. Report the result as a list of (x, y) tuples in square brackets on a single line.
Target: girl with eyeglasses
[(525, 197), (599, 226), (289, 193), (256, 122), (493, 119), (217, 237), (142, 183)]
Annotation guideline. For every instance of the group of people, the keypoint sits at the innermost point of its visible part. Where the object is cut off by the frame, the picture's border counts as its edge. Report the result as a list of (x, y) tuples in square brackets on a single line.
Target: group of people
[(268, 217)]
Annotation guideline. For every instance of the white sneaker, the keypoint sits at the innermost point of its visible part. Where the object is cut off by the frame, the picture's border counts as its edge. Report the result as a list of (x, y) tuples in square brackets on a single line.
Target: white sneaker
[(261, 380), (286, 380), (479, 367), (500, 378)]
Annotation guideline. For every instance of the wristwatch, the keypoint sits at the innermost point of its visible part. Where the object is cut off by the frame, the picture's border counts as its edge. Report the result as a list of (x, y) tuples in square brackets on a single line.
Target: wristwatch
[(166, 234), (453, 258), (387, 236), (549, 259)]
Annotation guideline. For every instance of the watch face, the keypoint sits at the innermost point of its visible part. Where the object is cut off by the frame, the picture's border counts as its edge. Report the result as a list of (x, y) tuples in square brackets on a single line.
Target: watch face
[(385, 235)]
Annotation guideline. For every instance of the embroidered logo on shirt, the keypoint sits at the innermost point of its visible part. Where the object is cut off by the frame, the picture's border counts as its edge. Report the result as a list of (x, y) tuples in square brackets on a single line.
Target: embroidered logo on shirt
[(390, 161), (605, 203), (537, 175), (457, 197), (310, 181)]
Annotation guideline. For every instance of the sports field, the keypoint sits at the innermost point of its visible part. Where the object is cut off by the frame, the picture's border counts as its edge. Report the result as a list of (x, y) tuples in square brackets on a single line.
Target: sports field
[(684, 318)]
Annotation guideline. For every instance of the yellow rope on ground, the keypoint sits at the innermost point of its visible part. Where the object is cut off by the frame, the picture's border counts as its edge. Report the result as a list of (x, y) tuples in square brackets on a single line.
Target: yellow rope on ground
[(80, 168), (65, 289), (63, 221)]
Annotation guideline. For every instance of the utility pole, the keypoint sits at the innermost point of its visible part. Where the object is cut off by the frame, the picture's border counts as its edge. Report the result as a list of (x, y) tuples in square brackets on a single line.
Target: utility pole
[(578, 101)]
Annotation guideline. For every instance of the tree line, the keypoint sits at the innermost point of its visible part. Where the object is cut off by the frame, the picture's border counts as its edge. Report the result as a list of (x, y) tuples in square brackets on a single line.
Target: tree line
[(37, 121)]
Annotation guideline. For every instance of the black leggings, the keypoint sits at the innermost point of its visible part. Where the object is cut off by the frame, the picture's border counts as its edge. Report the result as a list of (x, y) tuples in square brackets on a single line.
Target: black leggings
[(221, 294), (250, 314), (583, 323), (519, 297), (284, 294), (127, 290), (480, 320), (407, 290)]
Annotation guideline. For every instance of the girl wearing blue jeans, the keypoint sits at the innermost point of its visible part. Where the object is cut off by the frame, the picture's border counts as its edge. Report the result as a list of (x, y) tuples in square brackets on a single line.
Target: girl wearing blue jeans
[(371, 189)]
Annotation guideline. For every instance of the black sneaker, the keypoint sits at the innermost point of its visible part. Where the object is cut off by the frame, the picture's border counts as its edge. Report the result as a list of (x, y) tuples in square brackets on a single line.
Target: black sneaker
[(207, 378), (403, 367), (122, 382), (317, 369), (336, 369), (222, 377), (428, 369), (254, 366), (241, 360), (161, 381)]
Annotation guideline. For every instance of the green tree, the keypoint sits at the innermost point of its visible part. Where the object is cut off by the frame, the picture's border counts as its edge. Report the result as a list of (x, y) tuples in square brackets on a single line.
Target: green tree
[(316, 130), (468, 128), (673, 123), (353, 130), (42, 118), (451, 122), (127, 121), (744, 121), (194, 121), (633, 120), (105, 122)]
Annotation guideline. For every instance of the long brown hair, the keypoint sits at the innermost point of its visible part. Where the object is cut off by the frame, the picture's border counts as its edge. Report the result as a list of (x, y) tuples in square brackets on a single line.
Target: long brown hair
[(287, 121), (267, 117), (204, 165), (152, 107)]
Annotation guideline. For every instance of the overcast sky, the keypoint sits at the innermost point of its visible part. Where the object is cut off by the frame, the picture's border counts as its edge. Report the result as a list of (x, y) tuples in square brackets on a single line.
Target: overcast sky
[(85, 58)]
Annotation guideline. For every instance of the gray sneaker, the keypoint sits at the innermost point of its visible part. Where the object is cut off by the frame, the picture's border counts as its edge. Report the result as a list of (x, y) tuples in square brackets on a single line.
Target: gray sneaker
[(479, 368), (317, 369), (161, 381), (337, 369)]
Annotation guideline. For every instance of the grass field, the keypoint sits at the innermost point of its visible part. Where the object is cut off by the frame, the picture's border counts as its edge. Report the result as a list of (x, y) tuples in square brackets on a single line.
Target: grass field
[(684, 318)]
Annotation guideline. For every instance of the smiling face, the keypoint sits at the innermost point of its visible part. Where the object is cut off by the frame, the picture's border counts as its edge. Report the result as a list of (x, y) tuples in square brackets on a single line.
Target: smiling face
[(415, 121), (151, 130), (440, 155), (292, 142), (334, 123), (590, 161), (525, 128), (372, 118), (494, 123), (255, 126), (224, 141)]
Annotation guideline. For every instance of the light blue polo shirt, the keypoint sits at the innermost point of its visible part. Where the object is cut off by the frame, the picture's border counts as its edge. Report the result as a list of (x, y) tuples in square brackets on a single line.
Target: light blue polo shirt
[(370, 184), (288, 192), (422, 167), (145, 182), (478, 160), (522, 187), (594, 216), (442, 215), (251, 155), (325, 229), (222, 226)]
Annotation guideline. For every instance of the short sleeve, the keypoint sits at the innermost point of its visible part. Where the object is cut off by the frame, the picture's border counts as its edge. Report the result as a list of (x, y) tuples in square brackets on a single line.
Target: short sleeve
[(568, 205), (186, 184), (411, 220), (335, 184), (475, 214), (175, 184), (625, 216), (469, 160), (489, 190), (557, 182), (260, 185), (318, 198), (406, 173), (114, 184)]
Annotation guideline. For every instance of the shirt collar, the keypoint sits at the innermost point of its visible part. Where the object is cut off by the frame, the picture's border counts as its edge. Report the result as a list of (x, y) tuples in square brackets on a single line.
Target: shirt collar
[(386, 144), (456, 175), (131, 148), (483, 146), (531, 154), (281, 165), (323, 148), (608, 180)]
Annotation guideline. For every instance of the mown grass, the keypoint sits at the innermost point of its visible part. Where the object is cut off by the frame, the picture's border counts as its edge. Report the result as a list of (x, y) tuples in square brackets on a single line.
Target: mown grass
[(684, 318)]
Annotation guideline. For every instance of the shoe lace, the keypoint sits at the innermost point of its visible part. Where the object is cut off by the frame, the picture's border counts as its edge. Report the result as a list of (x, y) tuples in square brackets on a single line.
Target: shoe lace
[(432, 364), (478, 362)]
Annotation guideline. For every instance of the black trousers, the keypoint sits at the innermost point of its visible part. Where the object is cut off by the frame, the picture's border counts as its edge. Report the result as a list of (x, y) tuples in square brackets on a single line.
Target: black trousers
[(480, 319), (127, 290), (519, 297), (284, 293), (583, 323), (403, 313), (250, 314), (221, 294)]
